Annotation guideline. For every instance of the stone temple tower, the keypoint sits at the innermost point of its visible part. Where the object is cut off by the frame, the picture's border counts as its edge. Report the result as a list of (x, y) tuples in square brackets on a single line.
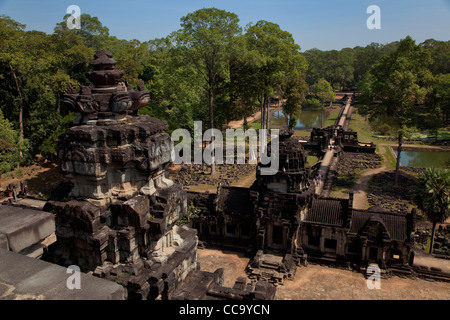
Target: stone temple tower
[(119, 218)]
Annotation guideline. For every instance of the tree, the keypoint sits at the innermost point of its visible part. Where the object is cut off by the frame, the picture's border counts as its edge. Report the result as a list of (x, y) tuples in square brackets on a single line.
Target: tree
[(433, 197), (12, 55), (440, 53), (176, 90), (9, 151), (398, 84), (439, 100), (243, 88), (206, 38), (334, 66), (365, 59), (296, 89), (276, 55), (94, 34), (323, 91)]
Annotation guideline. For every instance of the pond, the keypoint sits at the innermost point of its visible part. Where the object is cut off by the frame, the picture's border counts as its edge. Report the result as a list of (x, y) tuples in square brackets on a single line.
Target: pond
[(306, 119), (424, 159)]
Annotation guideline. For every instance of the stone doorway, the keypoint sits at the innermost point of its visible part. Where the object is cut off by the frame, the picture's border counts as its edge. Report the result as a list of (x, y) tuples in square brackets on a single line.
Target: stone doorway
[(373, 254), (277, 235)]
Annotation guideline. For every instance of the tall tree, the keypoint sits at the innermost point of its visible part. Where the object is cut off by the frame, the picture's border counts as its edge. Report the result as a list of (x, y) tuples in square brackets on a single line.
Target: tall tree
[(9, 151), (439, 100), (433, 197), (12, 54), (176, 90), (323, 91), (93, 32), (276, 52), (206, 38), (334, 66), (399, 82), (295, 92), (440, 53), (243, 88)]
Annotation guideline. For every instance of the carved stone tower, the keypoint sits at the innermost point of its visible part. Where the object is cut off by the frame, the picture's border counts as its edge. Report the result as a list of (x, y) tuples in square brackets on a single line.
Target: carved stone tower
[(119, 219)]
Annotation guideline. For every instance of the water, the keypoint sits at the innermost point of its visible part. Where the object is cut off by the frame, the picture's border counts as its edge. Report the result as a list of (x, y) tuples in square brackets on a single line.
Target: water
[(306, 119), (424, 159)]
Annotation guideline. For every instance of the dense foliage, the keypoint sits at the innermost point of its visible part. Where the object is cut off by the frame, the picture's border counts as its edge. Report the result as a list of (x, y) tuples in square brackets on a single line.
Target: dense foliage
[(210, 70)]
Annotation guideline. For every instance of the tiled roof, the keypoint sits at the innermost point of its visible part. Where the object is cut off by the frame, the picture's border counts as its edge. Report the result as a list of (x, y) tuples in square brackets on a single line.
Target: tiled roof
[(328, 211), (394, 224)]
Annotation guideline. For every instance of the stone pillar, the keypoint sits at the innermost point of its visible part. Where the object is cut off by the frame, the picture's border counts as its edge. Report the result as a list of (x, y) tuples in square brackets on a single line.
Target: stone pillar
[(322, 241), (364, 251)]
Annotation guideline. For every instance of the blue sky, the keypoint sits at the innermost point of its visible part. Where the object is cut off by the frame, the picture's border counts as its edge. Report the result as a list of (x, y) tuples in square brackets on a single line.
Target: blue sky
[(322, 24)]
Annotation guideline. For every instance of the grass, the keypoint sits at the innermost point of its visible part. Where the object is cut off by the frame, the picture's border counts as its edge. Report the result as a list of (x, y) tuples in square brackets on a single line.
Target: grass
[(362, 127), (339, 193), (255, 125), (312, 160), (365, 134), (388, 158), (299, 133), (332, 118), (443, 134)]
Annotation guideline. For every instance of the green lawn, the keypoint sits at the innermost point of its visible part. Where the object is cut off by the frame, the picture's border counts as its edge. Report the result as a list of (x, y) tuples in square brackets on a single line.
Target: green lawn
[(332, 118), (443, 134), (389, 159), (362, 126), (312, 160), (359, 124)]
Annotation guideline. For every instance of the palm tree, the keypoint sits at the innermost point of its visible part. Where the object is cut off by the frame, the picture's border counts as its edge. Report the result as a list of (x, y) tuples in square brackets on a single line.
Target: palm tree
[(433, 196)]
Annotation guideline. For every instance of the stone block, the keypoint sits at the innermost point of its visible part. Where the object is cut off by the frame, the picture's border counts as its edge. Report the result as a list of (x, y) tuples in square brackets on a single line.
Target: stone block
[(37, 279), (138, 210), (264, 291), (157, 226), (3, 242), (25, 227)]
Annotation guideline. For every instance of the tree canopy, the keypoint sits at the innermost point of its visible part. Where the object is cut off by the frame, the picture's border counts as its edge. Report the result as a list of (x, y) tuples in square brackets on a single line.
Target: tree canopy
[(212, 70), (399, 83), (433, 196)]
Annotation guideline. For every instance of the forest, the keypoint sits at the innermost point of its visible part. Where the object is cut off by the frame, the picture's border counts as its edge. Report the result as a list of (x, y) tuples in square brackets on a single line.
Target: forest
[(215, 71)]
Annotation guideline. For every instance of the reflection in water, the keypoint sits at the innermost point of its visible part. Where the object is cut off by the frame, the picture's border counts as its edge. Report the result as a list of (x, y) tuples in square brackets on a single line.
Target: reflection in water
[(424, 159), (306, 118)]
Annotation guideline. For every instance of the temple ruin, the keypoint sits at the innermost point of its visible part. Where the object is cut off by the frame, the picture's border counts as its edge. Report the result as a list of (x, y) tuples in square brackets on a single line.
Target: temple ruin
[(118, 217), (285, 221)]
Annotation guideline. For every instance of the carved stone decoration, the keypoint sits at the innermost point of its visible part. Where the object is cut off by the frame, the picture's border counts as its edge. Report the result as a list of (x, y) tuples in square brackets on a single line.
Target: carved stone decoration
[(106, 100), (121, 102), (118, 217), (123, 209)]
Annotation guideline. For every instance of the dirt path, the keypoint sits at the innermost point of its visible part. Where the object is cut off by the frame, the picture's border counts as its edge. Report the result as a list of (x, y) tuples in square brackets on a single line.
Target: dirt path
[(317, 282), (233, 263), (239, 123), (324, 283), (361, 187)]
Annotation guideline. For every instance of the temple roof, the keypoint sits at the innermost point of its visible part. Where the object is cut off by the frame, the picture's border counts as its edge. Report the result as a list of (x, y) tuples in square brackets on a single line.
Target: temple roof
[(328, 211), (334, 212), (394, 224)]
